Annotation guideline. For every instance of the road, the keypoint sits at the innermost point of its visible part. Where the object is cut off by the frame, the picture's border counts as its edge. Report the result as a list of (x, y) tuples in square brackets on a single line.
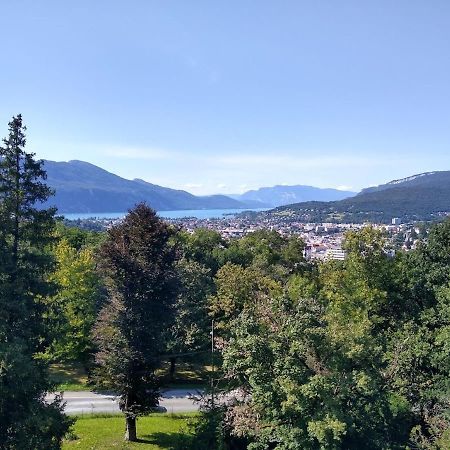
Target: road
[(173, 400)]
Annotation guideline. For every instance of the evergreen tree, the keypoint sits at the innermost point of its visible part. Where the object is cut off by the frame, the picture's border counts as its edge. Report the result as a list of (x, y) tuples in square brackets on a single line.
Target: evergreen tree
[(26, 420), (139, 263)]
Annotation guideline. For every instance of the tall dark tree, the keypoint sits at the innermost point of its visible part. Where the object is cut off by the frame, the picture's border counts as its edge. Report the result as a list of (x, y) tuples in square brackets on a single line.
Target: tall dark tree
[(26, 420), (139, 263)]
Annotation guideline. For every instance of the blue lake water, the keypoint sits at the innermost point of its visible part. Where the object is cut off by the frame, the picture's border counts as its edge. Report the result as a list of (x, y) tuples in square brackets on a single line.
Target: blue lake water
[(198, 213)]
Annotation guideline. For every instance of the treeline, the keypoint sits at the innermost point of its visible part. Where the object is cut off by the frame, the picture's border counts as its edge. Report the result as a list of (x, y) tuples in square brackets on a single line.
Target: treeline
[(321, 212), (345, 355), (426, 201), (352, 354)]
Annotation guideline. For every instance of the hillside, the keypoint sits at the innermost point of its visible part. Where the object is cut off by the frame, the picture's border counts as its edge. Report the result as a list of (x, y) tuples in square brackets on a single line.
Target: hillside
[(284, 195), (84, 188), (419, 197)]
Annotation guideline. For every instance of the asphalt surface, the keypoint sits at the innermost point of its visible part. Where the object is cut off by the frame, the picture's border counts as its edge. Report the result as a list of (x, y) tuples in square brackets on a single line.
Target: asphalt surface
[(173, 400)]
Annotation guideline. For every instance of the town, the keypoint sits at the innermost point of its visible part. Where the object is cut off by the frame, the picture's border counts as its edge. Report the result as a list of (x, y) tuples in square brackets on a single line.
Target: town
[(322, 240)]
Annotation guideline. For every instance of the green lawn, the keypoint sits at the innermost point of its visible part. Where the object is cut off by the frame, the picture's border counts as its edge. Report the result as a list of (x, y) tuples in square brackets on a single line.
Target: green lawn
[(69, 377), (187, 373), (157, 431), (73, 376)]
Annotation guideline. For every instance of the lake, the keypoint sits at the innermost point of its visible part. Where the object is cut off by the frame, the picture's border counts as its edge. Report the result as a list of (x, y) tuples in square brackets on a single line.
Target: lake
[(197, 213)]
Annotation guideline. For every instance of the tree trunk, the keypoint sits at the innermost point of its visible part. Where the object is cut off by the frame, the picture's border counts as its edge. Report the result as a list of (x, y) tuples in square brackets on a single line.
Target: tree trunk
[(130, 431), (172, 368)]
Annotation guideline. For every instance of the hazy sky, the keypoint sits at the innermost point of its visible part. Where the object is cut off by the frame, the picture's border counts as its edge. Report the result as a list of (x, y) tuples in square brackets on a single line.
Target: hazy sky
[(223, 96)]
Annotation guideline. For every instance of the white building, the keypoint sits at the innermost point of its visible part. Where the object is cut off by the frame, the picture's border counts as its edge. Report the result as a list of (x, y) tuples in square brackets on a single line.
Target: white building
[(336, 253)]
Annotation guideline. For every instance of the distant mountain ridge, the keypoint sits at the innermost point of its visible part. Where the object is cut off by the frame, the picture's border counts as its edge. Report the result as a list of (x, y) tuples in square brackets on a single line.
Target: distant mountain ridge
[(280, 195), (419, 197), (413, 180), (81, 187)]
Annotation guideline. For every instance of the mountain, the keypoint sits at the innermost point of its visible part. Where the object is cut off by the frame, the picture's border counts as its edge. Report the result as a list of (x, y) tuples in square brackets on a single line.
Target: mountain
[(82, 187), (432, 179), (285, 195), (425, 196)]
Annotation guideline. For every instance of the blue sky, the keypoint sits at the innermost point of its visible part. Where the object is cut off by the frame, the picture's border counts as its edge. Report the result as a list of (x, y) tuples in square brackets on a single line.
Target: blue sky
[(224, 96)]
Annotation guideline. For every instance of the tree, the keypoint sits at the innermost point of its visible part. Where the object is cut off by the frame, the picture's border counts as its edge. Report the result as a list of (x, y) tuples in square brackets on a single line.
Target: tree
[(237, 289), (203, 246), (79, 238), (362, 306), (26, 420), (73, 309), (419, 351), (189, 334), (310, 366), (141, 281), (267, 251)]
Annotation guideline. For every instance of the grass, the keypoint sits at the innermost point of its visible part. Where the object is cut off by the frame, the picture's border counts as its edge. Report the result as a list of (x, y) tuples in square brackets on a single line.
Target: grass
[(69, 377), (187, 375), (155, 432), (73, 376)]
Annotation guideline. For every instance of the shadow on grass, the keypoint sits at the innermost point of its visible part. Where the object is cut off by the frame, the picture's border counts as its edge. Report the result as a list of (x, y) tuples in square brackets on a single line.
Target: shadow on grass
[(70, 376), (169, 441)]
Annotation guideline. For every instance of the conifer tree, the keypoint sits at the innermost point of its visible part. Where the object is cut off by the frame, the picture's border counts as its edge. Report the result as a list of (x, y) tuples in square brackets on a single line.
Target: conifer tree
[(138, 261), (26, 420)]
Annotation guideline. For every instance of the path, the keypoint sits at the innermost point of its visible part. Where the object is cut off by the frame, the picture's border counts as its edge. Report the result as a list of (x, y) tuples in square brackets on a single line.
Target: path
[(173, 400)]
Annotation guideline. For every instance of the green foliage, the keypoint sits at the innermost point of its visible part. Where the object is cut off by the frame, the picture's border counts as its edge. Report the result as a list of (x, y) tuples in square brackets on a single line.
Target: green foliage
[(352, 354), (74, 307), (237, 289), (202, 246), (79, 238), (211, 433), (419, 352), (425, 198), (190, 330), (302, 286), (26, 420), (142, 286), (268, 252), (310, 367), (302, 389)]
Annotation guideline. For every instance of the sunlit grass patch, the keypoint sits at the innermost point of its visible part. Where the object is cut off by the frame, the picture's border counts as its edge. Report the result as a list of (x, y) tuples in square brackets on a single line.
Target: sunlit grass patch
[(69, 377), (157, 431)]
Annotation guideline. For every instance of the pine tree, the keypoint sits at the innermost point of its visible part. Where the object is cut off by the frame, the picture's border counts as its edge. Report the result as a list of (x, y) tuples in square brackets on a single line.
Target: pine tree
[(142, 285), (26, 420)]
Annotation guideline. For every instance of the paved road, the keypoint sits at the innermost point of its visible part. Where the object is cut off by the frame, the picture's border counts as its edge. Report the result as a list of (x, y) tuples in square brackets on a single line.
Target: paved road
[(173, 400)]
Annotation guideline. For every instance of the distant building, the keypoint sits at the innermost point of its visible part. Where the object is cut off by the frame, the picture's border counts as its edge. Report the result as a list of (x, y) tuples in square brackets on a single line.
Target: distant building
[(336, 253), (396, 221)]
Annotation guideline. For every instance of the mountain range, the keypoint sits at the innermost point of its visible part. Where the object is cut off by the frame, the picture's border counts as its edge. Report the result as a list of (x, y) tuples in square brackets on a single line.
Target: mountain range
[(284, 195), (81, 187), (425, 196)]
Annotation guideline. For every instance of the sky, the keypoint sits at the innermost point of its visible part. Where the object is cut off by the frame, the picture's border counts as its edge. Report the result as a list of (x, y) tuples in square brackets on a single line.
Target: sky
[(226, 96)]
